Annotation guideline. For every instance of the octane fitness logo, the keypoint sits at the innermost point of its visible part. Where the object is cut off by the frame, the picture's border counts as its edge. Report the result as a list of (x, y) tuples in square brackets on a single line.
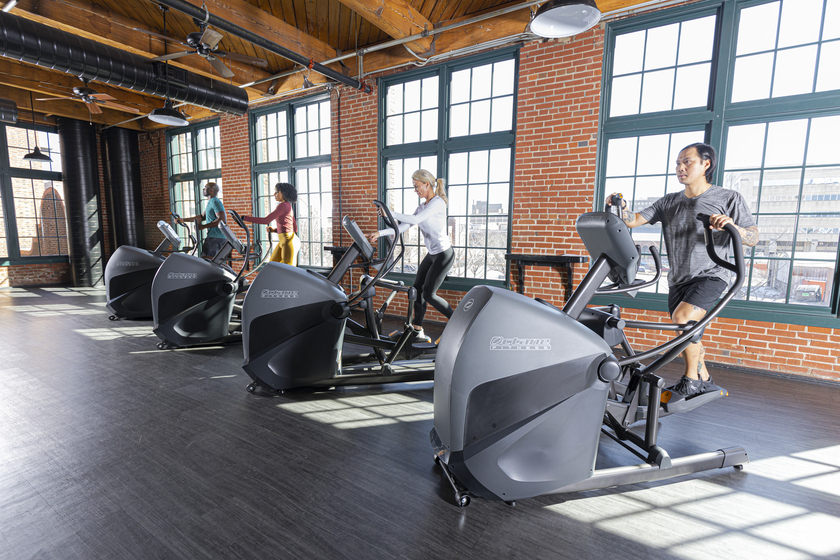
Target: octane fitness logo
[(279, 294), (516, 343), (181, 276), (126, 263)]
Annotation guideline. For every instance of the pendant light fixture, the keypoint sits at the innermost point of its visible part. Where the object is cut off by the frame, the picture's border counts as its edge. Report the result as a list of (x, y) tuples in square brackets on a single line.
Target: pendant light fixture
[(167, 114), (36, 154), (564, 18)]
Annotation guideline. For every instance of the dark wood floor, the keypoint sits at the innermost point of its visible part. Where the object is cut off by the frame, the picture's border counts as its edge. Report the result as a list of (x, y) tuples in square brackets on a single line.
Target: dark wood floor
[(112, 449)]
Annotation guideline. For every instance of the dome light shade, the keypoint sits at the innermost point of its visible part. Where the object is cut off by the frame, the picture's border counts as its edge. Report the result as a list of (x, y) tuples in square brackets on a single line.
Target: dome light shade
[(564, 18), (168, 115), (37, 155)]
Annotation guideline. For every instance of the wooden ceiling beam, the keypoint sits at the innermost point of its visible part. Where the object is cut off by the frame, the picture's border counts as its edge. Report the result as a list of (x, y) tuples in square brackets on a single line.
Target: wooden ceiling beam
[(396, 18), (89, 20)]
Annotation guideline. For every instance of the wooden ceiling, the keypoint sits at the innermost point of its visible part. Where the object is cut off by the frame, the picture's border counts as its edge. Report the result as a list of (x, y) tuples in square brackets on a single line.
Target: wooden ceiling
[(316, 29)]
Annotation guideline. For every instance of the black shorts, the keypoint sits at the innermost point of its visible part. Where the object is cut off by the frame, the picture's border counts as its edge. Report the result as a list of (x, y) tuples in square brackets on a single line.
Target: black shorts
[(702, 292)]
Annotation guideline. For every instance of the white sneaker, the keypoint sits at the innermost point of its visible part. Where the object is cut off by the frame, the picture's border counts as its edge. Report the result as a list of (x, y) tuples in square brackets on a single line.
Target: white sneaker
[(420, 336)]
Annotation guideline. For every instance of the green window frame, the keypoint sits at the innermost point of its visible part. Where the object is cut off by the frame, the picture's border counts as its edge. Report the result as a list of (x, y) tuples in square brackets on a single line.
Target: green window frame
[(457, 120), (193, 156), (773, 138), (33, 224), (291, 142)]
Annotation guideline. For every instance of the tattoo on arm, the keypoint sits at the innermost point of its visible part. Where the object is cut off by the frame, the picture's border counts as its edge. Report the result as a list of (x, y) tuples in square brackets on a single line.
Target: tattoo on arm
[(749, 236), (628, 215)]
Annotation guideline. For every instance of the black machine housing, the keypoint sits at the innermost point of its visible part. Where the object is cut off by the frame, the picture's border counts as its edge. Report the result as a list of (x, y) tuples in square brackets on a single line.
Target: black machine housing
[(524, 390)]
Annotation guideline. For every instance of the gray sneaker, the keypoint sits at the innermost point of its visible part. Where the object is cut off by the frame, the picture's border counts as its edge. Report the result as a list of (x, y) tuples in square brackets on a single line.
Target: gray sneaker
[(420, 336), (687, 387)]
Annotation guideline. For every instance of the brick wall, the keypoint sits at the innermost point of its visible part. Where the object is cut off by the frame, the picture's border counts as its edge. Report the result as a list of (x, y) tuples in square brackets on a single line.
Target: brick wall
[(34, 275)]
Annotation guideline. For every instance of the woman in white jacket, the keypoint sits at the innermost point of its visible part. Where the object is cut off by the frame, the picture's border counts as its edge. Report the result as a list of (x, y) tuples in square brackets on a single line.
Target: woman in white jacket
[(430, 218)]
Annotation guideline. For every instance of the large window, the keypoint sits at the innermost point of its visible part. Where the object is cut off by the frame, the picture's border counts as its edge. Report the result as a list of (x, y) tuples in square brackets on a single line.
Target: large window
[(456, 121), (291, 144), (758, 80), (33, 226), (194, 157)]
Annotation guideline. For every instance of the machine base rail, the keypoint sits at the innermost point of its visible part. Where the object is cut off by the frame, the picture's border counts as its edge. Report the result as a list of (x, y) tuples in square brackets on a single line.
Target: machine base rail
[(605, 478)]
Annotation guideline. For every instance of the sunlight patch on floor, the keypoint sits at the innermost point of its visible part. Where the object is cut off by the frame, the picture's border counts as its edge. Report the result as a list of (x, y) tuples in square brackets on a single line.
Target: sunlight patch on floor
[(115, 333), (363, 411)]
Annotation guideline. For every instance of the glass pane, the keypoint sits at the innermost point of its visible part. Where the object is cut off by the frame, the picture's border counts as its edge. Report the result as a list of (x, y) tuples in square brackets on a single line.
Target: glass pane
[(811, 283), (500, 165), (747, 183), (478, 167), (458, 168), (661, 48), (697, 37), (460, 87), (831, 24), (325, 141), (621, 157), (393, 132), (800, 22), (430, 93), (757, 28), (776, 236), (769, 281), (457, 199), (626, 92), (475, 257), (481, 82), (498, 201), (503, 78), (628, 53), (780, 191), (459, 124), (828, 77), (429, 125), (300, 119), (324, 108), (412, 96), (657, 91), (752, 77), (478, 200), (648, 190), (314, 144), (311, 117), (795, 71), (480, 117), (394, 99), (623, 186), (692, 86), (785, 143), (745, 146), (822, 141), (502, 114), (653, 155), (817, 237), (411, 132)]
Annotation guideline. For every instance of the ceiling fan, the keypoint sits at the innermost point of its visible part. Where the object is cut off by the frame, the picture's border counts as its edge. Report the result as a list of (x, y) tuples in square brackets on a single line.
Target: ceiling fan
[(205, 44), (93, 100)]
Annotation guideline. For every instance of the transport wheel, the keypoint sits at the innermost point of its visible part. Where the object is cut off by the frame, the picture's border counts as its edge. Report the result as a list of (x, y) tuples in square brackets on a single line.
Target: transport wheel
[(463, 500), (161, 346), (738, 467), (252, 387), (112, 318)]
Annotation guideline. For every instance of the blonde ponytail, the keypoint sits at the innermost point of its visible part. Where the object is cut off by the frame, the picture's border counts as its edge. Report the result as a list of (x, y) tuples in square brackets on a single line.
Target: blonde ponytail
[(440, 190)]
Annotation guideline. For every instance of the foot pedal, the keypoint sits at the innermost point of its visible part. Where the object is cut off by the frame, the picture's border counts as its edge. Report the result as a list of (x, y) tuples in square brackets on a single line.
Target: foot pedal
[(674, 402)]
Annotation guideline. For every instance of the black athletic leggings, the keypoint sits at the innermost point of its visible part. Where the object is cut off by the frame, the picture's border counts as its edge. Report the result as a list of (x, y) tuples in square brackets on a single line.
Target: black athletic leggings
[(430, 275)]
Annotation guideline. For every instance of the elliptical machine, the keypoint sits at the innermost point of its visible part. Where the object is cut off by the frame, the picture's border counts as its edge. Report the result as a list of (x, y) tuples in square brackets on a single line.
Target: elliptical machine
[(193, 298), (130, 271), (522, 388), (295, 323)]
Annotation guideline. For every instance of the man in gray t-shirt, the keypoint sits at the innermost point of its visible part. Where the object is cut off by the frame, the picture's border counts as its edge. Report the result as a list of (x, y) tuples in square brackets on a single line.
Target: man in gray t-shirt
[(695, 282)]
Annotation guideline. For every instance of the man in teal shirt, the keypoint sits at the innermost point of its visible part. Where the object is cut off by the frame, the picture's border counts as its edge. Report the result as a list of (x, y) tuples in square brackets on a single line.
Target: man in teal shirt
[(214, 213)]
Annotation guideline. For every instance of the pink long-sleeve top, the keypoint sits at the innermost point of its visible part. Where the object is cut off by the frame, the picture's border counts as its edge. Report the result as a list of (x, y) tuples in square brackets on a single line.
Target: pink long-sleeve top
[(286, 222)]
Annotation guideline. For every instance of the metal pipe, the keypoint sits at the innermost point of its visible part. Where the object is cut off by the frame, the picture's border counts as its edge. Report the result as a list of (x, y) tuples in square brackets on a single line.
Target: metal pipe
[(190, 10)]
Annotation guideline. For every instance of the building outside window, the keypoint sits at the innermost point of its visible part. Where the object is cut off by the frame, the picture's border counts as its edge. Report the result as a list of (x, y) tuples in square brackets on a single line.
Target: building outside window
[(291, 144), (758, 81), (194, 157), (457, 121), (33, 225)]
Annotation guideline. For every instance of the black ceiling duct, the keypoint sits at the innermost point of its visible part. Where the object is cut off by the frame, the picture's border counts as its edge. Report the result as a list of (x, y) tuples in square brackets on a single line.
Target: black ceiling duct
[(8, 111), (38, 44)]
